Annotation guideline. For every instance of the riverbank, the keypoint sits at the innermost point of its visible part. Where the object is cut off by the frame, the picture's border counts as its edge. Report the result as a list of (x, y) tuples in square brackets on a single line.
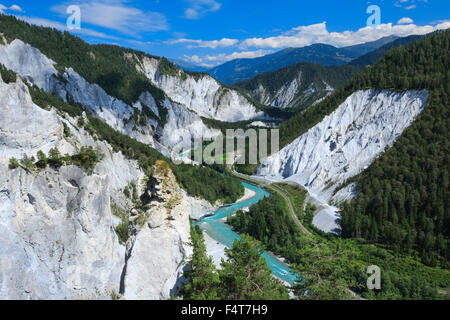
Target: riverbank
[(219, 235), (248, 194), (214, 249)]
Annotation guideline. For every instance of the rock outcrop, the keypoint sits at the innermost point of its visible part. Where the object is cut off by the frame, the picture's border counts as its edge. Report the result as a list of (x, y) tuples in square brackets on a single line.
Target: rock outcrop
[(201, 94), (159, 236)]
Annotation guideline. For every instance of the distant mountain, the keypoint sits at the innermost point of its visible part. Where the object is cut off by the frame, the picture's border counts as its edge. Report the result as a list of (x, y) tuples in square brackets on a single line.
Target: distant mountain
[(373, 56), (187, 65), (361, 49), (298, 86), (243, 69)]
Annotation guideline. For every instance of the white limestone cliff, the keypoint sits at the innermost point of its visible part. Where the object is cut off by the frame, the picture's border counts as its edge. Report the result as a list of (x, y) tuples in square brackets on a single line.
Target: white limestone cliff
[(158, 245), (31, 64), (345, 142), (202, 95), (58, 239)]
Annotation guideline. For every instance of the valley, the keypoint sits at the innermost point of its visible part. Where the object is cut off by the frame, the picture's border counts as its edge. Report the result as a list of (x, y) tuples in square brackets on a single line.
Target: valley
[(101, 197)]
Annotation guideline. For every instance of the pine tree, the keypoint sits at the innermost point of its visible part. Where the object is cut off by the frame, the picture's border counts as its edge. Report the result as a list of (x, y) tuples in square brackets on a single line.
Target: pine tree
[(202, 279), (246, 276)]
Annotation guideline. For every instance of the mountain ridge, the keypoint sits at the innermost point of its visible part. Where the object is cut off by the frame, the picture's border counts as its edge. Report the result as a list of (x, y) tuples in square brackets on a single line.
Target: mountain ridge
[(327, 55)]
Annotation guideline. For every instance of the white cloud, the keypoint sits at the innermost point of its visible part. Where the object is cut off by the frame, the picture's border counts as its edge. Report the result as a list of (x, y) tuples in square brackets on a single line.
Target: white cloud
[(405, 20), (411, 7), (212, 60), (204, 43), (115, 15), (198, 8), (317, 33), (15, 7)]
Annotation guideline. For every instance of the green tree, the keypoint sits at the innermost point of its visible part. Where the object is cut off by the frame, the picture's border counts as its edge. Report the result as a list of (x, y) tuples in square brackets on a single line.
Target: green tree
[(42, 160), (246, 276), (202, 278), (13, 163)]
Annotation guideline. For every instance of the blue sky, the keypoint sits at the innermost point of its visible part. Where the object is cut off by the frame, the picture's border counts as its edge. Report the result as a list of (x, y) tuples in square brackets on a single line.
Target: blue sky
[(210, 32)]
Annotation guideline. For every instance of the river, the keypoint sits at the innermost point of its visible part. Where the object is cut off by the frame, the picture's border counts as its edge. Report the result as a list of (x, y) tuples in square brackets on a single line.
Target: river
[(217, 229)]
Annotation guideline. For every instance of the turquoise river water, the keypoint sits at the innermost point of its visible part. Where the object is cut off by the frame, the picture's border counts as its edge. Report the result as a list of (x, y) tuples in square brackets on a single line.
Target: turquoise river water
[(221, 232)]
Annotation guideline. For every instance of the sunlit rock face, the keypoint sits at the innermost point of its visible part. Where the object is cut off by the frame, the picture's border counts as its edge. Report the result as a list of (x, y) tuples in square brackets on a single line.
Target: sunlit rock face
[(181, 124), (58, 231), (58, 239), (201, 94), (345, 142), (158, 245)]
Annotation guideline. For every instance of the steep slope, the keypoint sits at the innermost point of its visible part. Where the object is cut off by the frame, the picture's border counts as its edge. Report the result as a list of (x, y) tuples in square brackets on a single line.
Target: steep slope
[(373, 56), (147, 120), (298, 86), (199, 92), (158, 245), (243, 69), (104, 80), (345, 142), (398, 201), (58, 221), (58, 232)]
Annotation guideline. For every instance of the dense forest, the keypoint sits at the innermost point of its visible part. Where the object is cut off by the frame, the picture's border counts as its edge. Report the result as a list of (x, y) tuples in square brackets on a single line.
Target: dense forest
[(269, 222), (244, 275), (335, 268), (403, 196), (331, 267)]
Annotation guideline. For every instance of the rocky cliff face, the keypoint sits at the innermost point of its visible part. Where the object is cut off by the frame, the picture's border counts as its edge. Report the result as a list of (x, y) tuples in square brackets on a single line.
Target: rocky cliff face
[(345, 142), (58, 239), (202, 94), (293, 93), (181, 123), (58, 236), (158, 244)]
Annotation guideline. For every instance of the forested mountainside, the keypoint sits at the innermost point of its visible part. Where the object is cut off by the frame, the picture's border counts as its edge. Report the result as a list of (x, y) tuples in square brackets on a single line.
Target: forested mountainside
[(402, 196), (298, 86), (373, 56), (326, 55)]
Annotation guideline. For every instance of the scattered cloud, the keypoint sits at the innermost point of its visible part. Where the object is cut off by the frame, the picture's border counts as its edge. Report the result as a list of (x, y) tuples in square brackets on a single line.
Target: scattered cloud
[(303, 36), (410, 4), (212, 60), (197, 8), (14, 7), (225, 42), (405, 20), (318, 33), (117, 16)]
